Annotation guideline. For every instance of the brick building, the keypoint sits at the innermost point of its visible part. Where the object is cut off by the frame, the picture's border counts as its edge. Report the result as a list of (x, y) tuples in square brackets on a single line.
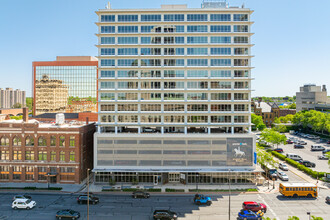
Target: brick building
[(31, 151), (268, 111)]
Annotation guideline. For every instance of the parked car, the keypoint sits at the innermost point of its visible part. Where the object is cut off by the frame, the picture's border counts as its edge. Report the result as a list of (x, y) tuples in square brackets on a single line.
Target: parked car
[(67, 213), (293, 156), (249, 215), (327, 199), (254, 206), (24, 196), (82, 199), (323, 157), (200, 199), (302, 142), (23, 204), (317, 148), (279, 150), (298, 146), (165, 214), (289, 141), (328, 142), (325, 151), (283, 176), (140, 194), (283, 166), (307, 163)]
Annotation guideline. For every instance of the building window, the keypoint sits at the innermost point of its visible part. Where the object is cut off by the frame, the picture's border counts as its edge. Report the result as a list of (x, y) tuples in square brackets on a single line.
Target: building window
[(62, 156), (53, 156), (62, 141), (220, 28), (17, 141), (4, 141), (29, 155), (197, 28), (220, 40), (127, 29), (29, 173), (197, 17), (17, 172), (4, 172), (197, 40), (29, 141), (127, 18), (52, 141), (220, 17), (72, 141), (174, 17), (107, 51), (107, 62), (42, 155), (17, 155), (107, 74), (72, 156), (127, 40), (107, 40), (241, 28), (107, 18), (42, 141), (241, 17), (4, 154), (107, 29), (150, 17)]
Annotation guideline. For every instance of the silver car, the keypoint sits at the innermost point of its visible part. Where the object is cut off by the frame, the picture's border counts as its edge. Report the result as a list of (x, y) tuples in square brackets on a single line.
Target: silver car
[(283, 166), (283, 176)]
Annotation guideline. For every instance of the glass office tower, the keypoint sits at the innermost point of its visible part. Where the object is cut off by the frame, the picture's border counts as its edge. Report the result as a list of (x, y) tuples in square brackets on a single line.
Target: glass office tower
[(174, 91), (67, 85)]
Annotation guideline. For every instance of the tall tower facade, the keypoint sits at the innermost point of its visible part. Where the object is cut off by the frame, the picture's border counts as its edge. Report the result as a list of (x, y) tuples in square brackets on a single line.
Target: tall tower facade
[(174, 91)]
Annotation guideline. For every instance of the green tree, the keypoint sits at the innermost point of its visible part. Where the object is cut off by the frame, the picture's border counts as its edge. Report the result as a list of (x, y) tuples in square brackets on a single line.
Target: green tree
[(316, 218), (293, 218), (258, 122), (29, 101), (273, 137), (280, 128), (17, 105)]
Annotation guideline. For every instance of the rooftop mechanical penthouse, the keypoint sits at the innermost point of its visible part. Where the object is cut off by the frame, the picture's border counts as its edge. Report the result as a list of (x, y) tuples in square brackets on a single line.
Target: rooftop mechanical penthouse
[(174, 91)]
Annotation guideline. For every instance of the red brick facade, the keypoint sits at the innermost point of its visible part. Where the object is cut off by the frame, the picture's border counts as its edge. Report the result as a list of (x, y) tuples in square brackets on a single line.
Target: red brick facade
[(31, 151)]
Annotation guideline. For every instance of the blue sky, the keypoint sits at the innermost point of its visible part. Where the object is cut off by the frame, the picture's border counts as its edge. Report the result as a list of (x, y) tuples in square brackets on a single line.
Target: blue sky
[(291, 38)]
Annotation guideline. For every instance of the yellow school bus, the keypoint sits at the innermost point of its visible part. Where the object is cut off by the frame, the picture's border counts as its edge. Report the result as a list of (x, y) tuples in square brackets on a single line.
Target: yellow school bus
[(298, 189)]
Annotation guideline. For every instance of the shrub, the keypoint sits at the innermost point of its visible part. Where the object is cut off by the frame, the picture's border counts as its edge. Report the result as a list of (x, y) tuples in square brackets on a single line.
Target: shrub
[(174, 190), (154, 190)]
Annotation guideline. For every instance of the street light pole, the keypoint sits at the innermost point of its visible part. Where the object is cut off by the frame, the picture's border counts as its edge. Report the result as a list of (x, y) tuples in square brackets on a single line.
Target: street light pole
[(197, 179), (229, 195), (88, 193)]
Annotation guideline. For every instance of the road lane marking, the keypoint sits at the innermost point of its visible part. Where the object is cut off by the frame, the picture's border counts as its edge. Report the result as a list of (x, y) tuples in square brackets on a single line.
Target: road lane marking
[(268, 207)]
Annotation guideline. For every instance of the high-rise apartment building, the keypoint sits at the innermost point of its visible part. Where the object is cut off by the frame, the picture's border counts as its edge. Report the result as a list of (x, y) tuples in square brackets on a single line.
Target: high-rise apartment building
[(9, 98), (174, 95), (67, 85)]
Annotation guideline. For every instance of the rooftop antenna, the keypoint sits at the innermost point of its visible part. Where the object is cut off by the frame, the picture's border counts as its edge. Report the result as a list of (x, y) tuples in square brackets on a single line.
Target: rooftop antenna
[(108, 6), (243, 5)]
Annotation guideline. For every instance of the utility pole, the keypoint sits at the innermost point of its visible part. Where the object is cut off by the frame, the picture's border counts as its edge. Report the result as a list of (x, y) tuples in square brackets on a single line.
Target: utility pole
[(88, 193)]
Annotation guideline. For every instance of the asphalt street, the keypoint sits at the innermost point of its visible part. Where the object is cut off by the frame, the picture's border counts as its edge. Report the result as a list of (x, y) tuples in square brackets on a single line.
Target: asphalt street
[(123, 207)]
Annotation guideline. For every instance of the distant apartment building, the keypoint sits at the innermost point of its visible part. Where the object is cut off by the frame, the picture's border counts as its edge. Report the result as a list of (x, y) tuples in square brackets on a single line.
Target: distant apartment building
[(174, 95), (268, 111), (312, 97), (32, 151), (10, 97), (67, 85)]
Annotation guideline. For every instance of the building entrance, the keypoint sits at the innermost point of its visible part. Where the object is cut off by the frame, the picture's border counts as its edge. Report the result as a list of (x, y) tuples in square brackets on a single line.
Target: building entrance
[(174, 177)]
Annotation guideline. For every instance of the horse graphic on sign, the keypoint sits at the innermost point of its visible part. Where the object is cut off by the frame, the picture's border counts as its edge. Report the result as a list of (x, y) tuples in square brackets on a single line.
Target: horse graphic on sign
[(239, 153)]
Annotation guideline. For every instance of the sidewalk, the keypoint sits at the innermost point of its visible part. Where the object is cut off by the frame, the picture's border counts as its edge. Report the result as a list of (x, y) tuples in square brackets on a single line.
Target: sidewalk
[(65, 187), (98, 188)]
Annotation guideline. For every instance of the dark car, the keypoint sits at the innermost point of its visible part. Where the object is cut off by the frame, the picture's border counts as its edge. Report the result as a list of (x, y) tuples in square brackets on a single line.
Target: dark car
[(327, 199), (67, 213), (279, 150), (24, 196), (82, 199), (325, 151), (249, 215), (140, 194), (328, 142), (165, 214), (307, 163), (298, 146), (254, 206)]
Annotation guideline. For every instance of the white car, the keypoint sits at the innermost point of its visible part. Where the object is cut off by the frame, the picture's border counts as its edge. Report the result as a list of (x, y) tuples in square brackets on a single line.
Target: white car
[(283, 166), (23, 204), (283, 176)]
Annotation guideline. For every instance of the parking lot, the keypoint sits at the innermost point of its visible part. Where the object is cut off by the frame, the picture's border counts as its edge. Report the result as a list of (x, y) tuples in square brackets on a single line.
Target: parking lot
[(307, 154)]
